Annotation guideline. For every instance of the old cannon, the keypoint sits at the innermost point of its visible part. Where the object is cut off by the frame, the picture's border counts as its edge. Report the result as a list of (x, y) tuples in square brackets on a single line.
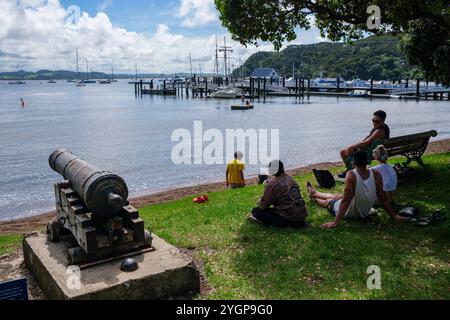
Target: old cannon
[(92, 205)]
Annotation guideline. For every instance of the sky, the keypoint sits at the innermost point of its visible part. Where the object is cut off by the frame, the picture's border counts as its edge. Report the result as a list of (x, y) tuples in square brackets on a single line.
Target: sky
[(157, 35)]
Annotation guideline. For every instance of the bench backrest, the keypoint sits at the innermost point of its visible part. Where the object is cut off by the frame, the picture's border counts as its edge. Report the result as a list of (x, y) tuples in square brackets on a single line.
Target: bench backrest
[(404, 144)]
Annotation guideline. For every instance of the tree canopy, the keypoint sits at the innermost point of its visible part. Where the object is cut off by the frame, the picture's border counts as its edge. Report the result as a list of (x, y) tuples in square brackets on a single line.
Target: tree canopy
[(422, 25), (375, 57)]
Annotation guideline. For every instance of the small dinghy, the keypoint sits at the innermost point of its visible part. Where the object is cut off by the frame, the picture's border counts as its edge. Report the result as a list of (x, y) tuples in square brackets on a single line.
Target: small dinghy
[(242, 107)]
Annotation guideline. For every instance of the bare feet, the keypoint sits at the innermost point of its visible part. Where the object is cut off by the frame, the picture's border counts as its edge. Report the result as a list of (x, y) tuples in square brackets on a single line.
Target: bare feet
[(311, 191)]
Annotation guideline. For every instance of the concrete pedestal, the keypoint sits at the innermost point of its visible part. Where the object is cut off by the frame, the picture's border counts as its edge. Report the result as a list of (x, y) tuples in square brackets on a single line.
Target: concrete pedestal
[(162, 273)]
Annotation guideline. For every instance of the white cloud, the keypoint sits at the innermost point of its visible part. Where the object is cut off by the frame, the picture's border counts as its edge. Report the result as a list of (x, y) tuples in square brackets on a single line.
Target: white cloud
[(105, 5), (37, 35), (197, 12)]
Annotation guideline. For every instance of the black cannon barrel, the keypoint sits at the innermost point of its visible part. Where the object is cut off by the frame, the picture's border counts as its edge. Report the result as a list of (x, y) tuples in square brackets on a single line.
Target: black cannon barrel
[(103, 193)]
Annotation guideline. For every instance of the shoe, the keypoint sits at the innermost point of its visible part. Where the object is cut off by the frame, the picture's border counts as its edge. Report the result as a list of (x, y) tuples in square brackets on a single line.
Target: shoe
[(251, 217), (199, 200)]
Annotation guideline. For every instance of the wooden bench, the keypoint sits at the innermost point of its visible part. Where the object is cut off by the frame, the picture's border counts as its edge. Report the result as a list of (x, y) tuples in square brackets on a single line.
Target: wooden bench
[(411, 146)]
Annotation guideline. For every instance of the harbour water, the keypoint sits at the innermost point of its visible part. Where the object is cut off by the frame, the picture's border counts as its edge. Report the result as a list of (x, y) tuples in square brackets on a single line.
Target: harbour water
[(108, 126)]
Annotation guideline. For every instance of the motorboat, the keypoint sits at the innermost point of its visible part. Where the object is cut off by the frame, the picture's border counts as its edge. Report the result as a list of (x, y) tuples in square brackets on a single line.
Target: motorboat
[(17, 82), (246, 106), (225, 93), (358, 93)]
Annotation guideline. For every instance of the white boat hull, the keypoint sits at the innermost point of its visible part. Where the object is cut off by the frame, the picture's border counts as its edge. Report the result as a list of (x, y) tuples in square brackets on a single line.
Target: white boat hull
[(224, 95)]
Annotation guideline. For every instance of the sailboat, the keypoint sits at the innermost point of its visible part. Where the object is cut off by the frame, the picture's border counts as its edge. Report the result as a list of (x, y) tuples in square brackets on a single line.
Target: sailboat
[(17, 81), (79, 82), (78, 73), (136, 78), (112, 75), (108, 81), (87, 74)]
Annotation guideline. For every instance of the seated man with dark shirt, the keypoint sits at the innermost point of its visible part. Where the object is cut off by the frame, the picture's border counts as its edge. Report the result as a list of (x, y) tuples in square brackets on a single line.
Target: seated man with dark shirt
[(380, 130), (281, 204)]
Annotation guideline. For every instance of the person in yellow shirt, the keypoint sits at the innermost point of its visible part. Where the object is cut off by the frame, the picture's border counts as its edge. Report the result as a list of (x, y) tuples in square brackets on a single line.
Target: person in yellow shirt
[(235, 172)]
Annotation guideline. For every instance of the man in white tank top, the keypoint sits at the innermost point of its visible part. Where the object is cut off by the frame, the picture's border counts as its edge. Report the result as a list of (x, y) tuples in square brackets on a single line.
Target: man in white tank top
[(362, 188)]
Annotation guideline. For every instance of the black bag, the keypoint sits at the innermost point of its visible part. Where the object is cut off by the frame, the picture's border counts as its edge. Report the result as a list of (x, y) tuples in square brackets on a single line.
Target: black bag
[(324, 178), (262, 178)]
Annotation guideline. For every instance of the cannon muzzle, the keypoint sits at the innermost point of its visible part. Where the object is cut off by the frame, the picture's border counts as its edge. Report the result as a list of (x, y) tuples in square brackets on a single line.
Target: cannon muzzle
[(103, 192)]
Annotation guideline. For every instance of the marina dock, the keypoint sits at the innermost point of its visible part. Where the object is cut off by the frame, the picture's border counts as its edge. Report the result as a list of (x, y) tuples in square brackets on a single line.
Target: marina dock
[(256, 88)]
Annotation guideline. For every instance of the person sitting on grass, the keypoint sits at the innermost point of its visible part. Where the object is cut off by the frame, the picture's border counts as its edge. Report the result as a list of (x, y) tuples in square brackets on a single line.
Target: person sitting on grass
[(386, 171), (281, 204), (235, 172), (362, 188), (380, 130)]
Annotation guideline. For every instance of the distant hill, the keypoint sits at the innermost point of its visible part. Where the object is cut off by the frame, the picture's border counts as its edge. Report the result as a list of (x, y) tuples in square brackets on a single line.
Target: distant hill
[(69, 75), (376, 57), (50, 75)]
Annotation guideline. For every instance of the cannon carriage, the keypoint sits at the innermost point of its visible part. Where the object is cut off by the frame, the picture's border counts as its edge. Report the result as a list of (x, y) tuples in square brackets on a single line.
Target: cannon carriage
[(92, 205)]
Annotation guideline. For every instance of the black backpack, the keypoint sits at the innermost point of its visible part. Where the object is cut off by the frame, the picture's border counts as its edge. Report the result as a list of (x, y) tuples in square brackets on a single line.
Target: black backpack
[(324, 178)]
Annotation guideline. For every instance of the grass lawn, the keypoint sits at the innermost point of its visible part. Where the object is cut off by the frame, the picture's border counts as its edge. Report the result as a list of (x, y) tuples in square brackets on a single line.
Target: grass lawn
[(9, 243), (244, 260)]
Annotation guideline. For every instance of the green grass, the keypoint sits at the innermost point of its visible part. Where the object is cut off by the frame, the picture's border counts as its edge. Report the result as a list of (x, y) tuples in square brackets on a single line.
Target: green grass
[(9, 243), (243, 260)]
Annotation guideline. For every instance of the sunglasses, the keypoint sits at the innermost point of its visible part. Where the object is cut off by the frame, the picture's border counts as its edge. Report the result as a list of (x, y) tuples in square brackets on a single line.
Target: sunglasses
[(376, 121)]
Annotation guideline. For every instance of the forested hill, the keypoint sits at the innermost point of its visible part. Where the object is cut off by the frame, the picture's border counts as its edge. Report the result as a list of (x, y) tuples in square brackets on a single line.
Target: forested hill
[(376, 57)]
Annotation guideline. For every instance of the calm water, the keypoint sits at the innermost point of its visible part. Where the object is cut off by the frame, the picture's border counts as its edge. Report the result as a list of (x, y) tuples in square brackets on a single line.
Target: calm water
[(108, 126)]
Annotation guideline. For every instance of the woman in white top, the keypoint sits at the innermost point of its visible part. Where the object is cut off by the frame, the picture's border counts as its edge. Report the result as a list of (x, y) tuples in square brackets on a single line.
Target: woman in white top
[(387, 172)]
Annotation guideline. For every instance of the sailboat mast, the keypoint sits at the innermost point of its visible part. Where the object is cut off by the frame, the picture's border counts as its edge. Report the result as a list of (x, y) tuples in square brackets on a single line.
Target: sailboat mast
[(225, 51), (78, 69), (217, 60), (190, 63), (225, 56), (87, 69)]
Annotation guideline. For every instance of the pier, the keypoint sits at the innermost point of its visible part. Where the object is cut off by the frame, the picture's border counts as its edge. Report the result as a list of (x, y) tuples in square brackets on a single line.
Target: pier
[(260, 87)]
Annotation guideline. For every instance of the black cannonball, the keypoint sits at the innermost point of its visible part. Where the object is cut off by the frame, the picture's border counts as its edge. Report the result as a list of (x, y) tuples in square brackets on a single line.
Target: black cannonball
[(129, 265)]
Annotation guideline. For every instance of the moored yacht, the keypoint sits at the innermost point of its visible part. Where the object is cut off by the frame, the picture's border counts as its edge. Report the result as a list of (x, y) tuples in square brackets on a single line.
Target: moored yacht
[(225, 93)]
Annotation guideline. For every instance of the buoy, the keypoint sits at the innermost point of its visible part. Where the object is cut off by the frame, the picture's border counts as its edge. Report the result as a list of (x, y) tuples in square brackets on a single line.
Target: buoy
[(23, 102)]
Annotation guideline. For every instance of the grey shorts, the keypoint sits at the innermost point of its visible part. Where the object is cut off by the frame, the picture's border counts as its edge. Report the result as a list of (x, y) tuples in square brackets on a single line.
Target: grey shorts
[(331, 207)]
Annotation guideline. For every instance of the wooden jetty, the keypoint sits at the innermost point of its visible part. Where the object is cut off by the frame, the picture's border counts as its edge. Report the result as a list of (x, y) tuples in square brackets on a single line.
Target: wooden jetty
[(256, 88), (266, 86)]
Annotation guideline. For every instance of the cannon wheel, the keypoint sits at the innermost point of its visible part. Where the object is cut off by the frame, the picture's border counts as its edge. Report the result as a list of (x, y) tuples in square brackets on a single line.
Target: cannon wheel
[(54, 231), (75, 256), (148, 239)]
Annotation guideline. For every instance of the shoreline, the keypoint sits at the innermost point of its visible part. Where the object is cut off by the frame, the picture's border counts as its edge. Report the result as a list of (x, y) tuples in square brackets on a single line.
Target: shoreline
[(35, 223)]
